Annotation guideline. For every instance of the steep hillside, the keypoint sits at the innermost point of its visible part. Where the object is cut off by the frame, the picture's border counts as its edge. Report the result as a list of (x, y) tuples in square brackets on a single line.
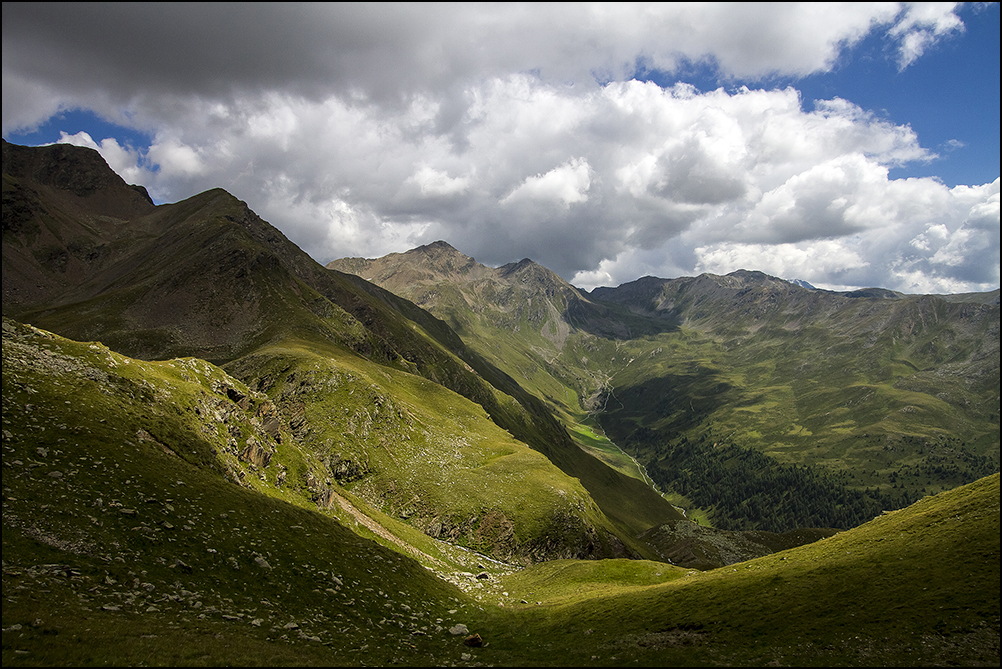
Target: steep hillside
[(332, 433), (887, 396), (63, 212), (168, 494), (208, 278)]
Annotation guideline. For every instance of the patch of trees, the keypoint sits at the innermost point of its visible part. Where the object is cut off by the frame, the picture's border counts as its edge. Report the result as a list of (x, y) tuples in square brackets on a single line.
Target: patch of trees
[(748, 490), (745, 489), (950, 459)]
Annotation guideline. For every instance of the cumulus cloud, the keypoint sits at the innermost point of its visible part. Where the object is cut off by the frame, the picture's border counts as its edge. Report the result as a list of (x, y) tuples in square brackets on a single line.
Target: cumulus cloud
[(920, 26), (566, 185), (933, 240), (432, 182), (517, 131), (153, 54)]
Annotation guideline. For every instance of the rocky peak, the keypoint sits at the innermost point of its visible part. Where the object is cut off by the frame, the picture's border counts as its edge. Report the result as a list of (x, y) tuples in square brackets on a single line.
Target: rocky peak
[(442, 257), (79, 171), (529, 272)]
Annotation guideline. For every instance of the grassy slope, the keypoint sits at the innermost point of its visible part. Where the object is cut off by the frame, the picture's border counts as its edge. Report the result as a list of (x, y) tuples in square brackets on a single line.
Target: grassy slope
[(127, 541), (418, 451), (336, 427), (124, 530), (903, 419), (898, 397), (919, 586), (206, 277)]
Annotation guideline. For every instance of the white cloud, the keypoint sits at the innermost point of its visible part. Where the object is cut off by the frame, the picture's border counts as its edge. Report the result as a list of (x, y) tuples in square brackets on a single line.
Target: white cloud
[(176, 158), (27, 103), (567, 184), (432, 182), (810, 260), (922, 24), (360, 131)]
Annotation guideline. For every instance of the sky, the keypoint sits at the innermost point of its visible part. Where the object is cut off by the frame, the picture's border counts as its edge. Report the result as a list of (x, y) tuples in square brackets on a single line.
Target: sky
[(848, 145)]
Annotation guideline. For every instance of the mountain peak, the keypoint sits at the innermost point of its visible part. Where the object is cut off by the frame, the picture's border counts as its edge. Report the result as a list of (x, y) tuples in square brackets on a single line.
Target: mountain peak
[(80, 171), (437, 246), (802, 284), (440, 256), (523, 266)]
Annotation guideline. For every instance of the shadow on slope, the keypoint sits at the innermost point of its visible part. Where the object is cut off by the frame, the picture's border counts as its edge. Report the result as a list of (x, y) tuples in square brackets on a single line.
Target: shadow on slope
[(207, 277)]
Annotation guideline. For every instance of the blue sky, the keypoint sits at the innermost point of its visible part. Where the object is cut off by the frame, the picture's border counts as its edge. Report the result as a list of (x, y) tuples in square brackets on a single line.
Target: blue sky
[(949, 95), (516, 130)]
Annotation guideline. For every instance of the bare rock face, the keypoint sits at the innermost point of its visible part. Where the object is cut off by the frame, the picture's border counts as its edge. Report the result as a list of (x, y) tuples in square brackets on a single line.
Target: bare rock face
[(256, 453)]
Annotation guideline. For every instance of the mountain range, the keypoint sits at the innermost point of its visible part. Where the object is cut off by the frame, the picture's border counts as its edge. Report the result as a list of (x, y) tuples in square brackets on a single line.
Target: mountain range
[(768, 405), (209, 434)]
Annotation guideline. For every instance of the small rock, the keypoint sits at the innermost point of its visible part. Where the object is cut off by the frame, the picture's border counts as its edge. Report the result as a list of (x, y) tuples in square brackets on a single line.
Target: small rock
[(456, 630), (474, 641)]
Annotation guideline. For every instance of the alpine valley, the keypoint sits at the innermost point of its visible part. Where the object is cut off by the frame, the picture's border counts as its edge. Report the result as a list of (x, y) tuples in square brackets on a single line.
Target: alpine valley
[(218, 451)]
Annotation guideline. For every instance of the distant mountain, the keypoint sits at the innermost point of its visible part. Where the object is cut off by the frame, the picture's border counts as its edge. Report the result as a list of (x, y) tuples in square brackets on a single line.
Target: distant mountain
[(437, 277), (718, 385)]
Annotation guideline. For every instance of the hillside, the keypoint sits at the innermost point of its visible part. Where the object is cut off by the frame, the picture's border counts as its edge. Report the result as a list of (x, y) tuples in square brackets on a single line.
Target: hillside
[(890, 395), (524, 319), (207, 278), (755, 402), (164, 513)]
